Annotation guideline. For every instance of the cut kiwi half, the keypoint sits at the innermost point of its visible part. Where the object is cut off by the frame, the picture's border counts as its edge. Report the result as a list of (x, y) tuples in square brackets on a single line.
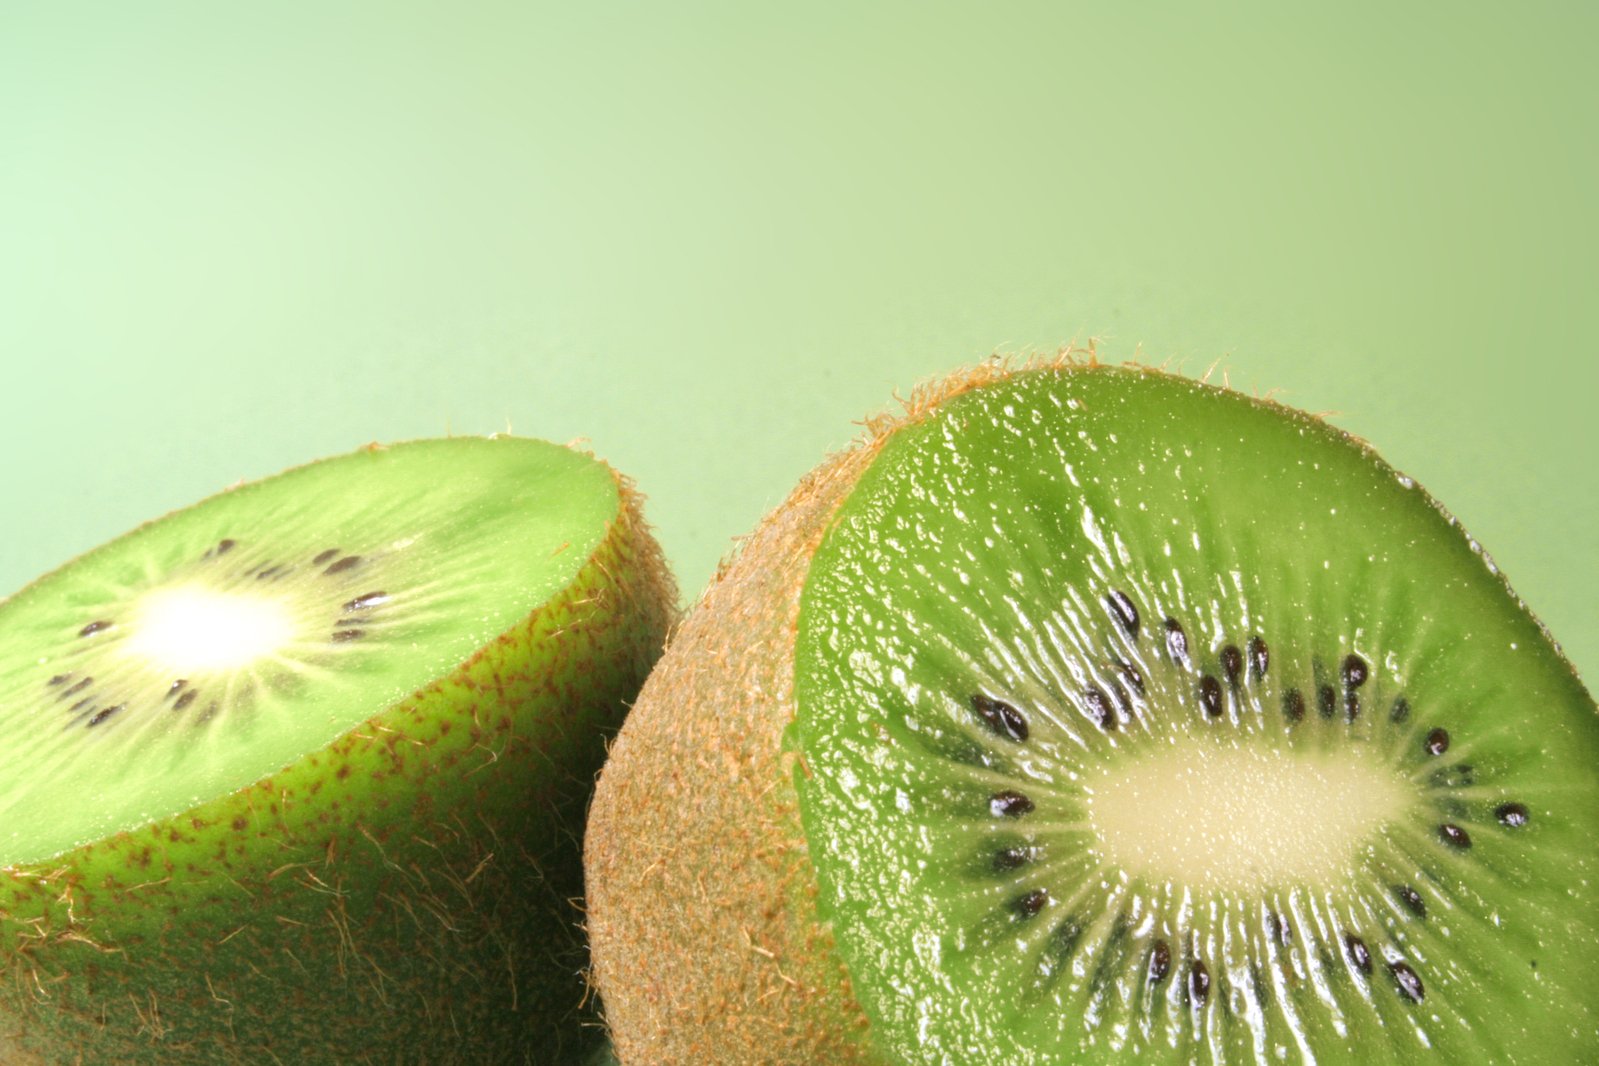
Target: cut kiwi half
[(1091, 714), (296, 775)]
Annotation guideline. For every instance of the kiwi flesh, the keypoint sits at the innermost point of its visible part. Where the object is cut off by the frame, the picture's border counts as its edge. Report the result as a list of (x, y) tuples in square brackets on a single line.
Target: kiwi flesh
[(1087, 714), (296, 775)]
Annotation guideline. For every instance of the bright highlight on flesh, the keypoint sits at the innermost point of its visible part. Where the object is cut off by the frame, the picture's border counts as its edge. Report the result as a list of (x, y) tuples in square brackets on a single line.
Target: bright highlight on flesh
[(191, 629), (1234, 817)]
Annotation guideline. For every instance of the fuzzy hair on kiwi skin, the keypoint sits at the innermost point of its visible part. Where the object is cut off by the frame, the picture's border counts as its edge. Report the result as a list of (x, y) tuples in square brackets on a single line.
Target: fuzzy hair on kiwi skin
[(706, 940), (411, 913)]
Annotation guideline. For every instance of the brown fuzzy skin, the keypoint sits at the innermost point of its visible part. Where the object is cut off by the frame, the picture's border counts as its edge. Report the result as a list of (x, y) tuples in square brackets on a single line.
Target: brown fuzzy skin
[(706, 943), (402, 896)]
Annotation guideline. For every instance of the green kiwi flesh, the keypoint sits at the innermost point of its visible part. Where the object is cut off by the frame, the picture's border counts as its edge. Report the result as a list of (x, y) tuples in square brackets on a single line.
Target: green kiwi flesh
[(295, 774), (1118, 717)]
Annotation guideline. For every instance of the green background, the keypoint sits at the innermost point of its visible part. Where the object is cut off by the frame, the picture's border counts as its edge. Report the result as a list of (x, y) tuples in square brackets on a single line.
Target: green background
[(708, 239)]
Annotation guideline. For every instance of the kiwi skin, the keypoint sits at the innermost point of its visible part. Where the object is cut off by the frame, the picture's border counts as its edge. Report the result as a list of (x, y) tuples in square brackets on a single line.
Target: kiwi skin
[(405, 895), (706, 939)]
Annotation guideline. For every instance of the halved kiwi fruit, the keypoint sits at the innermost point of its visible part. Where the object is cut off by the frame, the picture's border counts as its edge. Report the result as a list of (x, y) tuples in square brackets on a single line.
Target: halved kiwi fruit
[(1091, 714), (296, 775)]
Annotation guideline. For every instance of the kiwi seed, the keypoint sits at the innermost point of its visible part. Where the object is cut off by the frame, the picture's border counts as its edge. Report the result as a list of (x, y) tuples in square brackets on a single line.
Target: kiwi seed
[(1008, 803), (1002, 718), (1232, 664), (1514, 815), (1126, 614), (1294, 705)]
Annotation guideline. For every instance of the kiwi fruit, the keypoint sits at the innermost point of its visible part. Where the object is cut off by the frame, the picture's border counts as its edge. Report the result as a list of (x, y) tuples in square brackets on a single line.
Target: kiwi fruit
[(1089, 714), (296, 775)]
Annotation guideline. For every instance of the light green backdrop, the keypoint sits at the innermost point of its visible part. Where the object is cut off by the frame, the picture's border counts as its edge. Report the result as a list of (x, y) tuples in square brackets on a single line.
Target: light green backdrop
[(708, 239)]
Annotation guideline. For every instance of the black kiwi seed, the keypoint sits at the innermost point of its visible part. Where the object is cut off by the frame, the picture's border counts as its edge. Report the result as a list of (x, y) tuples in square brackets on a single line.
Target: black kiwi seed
[(1409, 983), (1011, 858), (1210, 696), (223, 546), (1029, 905), (1099, 709), (1293, 705), (1009, 804), (1126, 614), (59, 679), (1454, 836), (1159, 962), (1412, 900), (185, 699), (1358, 953), (370, 599), (1354, 671), (1199, 982), (1232, 664), (344, 636), (324, 556), (1351, 705), (176, 686), (1259, 657), (1278, 929), (77, 687), (1002, 718), (1401, 710), (1176, 642), (1437, 742), (1514, 815), (94, 627), (343, 564), (101, 715), (1326, 700)]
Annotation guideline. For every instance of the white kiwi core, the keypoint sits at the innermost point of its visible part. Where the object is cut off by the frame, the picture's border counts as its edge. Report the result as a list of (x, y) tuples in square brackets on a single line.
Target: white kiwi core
[(192, 629), (1224, 816)]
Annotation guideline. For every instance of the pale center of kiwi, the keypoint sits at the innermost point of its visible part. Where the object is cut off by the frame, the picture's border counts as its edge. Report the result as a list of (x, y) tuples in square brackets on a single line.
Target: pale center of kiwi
[(191, 629), (1228, 816)]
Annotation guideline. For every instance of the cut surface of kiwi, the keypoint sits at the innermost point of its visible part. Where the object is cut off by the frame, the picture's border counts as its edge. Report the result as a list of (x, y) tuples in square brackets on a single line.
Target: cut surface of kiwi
[(296, 772), (1118, 717)]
